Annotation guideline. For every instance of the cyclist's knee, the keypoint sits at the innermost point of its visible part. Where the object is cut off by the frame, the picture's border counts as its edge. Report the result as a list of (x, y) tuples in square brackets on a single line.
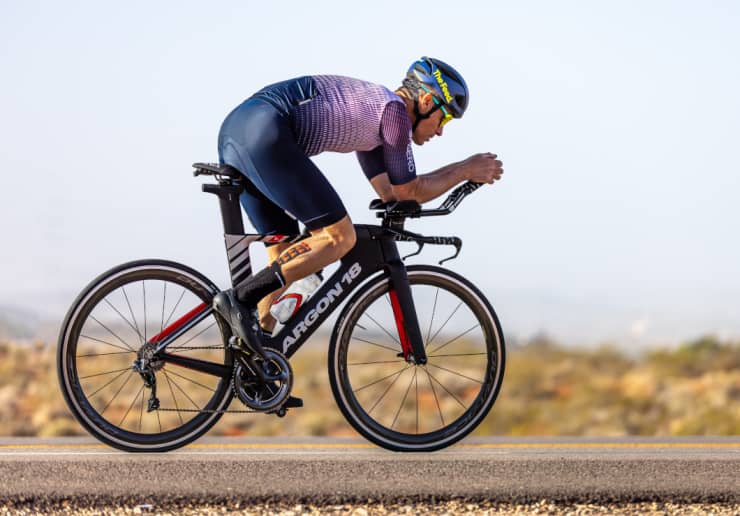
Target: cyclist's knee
[(342, 236)]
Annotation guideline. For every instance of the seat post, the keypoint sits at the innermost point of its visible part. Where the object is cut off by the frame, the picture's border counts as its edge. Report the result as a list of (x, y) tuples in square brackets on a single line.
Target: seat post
[(231, 213)]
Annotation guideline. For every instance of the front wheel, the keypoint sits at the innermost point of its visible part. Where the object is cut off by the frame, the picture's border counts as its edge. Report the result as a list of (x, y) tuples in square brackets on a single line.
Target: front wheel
[(113, 323), (406, 407)]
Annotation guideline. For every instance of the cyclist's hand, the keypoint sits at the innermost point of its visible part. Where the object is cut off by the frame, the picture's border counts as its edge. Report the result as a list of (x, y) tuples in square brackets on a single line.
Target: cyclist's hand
[(483, 168)]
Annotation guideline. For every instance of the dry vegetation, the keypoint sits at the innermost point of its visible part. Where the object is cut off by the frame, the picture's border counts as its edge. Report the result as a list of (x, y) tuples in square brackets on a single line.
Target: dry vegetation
[(548, 390)]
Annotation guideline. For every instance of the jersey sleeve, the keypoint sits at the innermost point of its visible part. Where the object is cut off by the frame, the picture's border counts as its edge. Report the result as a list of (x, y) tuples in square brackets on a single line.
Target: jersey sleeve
[(372, 162), (395, 130)]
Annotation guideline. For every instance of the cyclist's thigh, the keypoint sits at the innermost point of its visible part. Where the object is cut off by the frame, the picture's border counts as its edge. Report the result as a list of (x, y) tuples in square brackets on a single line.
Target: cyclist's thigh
[(267, 217), (280, 169)]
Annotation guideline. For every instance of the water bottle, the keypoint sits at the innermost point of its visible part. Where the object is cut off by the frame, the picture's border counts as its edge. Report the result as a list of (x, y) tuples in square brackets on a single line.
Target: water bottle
[(291, 300)]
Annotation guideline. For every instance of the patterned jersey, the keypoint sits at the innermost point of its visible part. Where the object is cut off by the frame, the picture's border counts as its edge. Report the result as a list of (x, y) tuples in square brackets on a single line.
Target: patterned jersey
[(341, 114)]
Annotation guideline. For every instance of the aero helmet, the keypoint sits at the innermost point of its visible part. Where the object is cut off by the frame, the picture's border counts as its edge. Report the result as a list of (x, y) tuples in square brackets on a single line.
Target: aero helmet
[(444, 80)]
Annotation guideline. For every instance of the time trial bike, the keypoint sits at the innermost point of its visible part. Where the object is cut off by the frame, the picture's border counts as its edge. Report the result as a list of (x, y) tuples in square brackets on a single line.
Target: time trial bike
[(415, 361)]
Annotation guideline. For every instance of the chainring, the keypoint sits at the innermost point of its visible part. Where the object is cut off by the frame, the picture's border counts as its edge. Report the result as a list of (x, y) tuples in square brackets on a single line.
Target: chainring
[(255, 394)]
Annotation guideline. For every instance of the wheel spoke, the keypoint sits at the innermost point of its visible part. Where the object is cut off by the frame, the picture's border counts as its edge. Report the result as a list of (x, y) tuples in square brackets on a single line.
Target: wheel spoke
[(117, 392), (380, 380), (453, 340), (431, 319), (104, 354), (133, 402), (416, 381), (143, 287), (141, 411), (447, 390), (456, 373), (387, 389), (182, 391), (191, 380), (403, 400), (174, 398), (113, 333), (164, 302), (169, 317), (103, 374), (445, 323), (395, 350), (436, 399), (378, 362), (128, 350), (136, 324), (458, 355), (182, 346), (381, 327), (120, 315), (107, 384)]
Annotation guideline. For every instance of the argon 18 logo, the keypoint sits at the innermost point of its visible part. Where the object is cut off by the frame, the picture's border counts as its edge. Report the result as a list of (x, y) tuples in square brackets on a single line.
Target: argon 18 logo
[(322, 306)]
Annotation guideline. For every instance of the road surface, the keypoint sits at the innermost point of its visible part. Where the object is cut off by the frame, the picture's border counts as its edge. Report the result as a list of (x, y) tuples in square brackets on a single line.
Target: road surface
[(322, 471)]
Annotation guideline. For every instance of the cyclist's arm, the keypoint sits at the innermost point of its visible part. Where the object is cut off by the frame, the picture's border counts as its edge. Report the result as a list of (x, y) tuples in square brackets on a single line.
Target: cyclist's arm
[(480, 168), (429, 186), (392, 171), (421, 189)]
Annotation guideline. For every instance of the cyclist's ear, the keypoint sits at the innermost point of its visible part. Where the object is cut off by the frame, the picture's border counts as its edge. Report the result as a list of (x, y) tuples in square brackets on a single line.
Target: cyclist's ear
[(426, 101)]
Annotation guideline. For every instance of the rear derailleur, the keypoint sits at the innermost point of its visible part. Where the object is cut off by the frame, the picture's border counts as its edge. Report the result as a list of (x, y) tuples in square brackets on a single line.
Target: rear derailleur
[(146, 364)]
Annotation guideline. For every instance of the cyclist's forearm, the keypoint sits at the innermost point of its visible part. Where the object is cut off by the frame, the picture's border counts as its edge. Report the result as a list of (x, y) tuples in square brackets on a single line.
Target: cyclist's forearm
[(433, 184)]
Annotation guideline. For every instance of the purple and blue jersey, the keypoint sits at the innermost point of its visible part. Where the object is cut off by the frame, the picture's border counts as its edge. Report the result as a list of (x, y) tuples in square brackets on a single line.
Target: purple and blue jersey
[(349, 115), (270, 137)]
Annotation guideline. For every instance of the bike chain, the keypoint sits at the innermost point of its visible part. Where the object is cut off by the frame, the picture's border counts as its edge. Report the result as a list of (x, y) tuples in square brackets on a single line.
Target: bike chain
[(197, 347), (209, 411)]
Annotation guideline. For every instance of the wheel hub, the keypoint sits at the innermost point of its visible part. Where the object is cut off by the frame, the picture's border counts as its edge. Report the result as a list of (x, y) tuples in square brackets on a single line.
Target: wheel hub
[(146, 358)]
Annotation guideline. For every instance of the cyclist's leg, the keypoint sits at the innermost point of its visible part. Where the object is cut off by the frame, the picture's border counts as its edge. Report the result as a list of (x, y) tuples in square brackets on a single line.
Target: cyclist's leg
[(325, 246), (263, 147)]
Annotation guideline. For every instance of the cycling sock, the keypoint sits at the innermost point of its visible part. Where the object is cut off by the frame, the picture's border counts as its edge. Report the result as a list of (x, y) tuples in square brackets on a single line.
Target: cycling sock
[(258, 286)]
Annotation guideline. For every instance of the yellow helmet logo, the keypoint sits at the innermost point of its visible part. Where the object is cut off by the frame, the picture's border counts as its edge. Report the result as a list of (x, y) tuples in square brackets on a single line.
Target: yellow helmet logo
[(443, 85)]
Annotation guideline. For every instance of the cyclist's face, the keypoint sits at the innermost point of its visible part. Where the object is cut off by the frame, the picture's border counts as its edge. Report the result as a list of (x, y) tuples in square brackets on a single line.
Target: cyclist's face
[(432, 126)]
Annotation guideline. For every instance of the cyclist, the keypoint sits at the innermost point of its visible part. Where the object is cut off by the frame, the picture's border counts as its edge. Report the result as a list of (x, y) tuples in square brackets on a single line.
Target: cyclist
[(270, 137)]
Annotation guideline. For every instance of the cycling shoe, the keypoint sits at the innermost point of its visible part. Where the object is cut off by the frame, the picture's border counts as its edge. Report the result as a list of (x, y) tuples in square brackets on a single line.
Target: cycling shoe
[(239, 317)]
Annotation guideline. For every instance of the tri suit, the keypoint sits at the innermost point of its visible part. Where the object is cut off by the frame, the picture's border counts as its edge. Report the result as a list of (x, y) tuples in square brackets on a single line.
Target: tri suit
[(270, 137)]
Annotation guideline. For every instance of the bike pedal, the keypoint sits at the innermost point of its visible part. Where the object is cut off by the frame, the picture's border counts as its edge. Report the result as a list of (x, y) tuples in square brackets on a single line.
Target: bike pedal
[(293, 402)]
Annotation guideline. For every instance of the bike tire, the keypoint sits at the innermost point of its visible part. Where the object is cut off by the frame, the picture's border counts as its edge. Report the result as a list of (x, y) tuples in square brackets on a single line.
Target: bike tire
[(465, 383), (86, 349)]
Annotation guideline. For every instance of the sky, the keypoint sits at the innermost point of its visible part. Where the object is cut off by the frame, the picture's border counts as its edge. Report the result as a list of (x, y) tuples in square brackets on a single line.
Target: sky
[(617, 122)]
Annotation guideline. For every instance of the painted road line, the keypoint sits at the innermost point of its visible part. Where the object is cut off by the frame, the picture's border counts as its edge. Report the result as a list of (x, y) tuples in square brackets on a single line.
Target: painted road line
[(339, 446)]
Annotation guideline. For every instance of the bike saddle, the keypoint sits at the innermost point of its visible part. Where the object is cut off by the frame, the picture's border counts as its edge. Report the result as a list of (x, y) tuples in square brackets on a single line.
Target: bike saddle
[(405, 208), (215, 168)]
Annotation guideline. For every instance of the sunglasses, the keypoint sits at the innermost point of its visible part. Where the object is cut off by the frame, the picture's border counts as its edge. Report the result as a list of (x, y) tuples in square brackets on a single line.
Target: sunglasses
[(447, 115), (439, 105)]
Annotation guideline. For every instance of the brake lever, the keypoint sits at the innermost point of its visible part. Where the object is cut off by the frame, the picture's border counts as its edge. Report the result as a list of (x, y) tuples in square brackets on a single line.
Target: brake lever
[(458, 246), (418, 251)]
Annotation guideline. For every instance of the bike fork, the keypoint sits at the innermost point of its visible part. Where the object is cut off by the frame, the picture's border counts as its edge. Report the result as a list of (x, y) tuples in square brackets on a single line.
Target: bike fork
[(404, 310)]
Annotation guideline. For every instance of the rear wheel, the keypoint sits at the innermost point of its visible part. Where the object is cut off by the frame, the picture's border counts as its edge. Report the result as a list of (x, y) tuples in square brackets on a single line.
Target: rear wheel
[(407, 407), (108, 328)]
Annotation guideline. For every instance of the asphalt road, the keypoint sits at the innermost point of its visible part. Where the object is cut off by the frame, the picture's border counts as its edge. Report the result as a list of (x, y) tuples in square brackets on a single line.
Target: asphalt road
[(346, 471)]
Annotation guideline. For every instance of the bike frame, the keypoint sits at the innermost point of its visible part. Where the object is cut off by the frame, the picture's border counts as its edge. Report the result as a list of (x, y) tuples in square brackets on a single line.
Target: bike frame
[(375, 251)]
